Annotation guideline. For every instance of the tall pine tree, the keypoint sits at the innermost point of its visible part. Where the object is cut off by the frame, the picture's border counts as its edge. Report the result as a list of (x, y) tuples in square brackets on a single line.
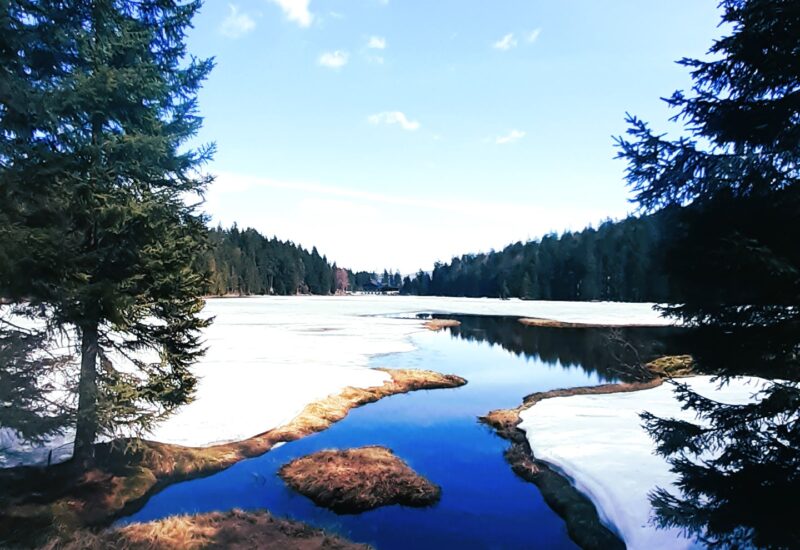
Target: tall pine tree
[(735, 259), (98, 101)]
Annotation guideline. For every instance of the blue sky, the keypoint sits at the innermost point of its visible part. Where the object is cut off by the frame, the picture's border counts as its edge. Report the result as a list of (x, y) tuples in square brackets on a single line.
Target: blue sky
[(391, 134)]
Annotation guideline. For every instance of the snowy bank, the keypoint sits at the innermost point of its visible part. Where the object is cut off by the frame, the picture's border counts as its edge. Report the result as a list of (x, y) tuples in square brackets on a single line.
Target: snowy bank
[(598, 441)]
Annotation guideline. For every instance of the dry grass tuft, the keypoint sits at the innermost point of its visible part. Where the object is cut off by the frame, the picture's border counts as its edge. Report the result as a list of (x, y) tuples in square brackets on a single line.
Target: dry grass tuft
[(537, 322), (439, 324), (235, 529), (356, 480), (672, 366)]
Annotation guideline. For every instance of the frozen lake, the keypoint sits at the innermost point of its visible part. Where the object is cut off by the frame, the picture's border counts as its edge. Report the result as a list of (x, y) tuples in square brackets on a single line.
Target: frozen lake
[(270, 356), (483, 503)]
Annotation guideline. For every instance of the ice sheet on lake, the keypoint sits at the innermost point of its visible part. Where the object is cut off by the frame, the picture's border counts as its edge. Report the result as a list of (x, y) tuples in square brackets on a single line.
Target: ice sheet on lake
[(268, 357), (610, 313), (599, 442)]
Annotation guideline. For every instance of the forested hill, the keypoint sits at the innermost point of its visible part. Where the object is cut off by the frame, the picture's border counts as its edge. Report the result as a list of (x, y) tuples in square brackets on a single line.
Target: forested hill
[(619, 261), (246, 262)]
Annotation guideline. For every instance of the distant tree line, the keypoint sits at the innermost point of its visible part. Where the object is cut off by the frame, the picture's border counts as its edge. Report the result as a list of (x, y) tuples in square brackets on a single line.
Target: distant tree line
[(364, 280), (245, 262), (618, 261)]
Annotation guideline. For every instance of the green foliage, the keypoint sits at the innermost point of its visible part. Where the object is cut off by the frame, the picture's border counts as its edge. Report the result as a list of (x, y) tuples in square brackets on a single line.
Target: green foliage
[(98, 104), (246, 262), (735, 262), (361, 279), (618, 261)]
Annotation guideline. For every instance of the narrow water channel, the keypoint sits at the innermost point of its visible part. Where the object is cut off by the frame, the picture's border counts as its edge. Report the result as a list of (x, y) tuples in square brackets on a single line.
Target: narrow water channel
[(483, 504)]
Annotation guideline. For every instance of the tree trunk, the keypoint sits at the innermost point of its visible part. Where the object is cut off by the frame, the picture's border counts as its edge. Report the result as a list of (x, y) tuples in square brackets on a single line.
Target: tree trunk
[(86, 428)]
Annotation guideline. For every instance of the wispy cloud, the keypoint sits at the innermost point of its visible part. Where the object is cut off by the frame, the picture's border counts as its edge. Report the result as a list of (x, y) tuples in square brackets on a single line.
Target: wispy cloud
[(227, 183), (296, 10), (506, 43), (511, 137), (394, 117), (533, 35), (334, 60), (327, 216), (376, 43), (236, 24)]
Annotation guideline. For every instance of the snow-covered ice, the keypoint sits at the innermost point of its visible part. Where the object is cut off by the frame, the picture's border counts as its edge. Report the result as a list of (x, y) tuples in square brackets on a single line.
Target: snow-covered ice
[(598, 441), (268, 357), (605, 313)]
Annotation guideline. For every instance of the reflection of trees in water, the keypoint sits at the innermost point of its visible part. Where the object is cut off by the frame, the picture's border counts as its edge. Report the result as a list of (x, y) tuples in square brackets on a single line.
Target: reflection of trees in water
[(592, 349)]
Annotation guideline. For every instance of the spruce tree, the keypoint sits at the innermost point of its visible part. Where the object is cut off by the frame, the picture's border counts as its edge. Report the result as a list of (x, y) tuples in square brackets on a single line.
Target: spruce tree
[(525, 287), (733, 256), (98, 101)]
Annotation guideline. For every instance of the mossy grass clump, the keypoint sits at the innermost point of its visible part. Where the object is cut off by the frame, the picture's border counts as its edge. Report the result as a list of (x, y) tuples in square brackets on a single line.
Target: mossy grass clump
[(672, 366), (357, 480)]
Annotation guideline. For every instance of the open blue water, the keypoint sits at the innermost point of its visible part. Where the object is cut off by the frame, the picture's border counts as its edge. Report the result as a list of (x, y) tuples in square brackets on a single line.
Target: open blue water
[(483, 504)]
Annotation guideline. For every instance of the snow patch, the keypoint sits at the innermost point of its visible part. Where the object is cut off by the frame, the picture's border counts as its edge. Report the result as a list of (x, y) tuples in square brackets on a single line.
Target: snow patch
[(598, 441)]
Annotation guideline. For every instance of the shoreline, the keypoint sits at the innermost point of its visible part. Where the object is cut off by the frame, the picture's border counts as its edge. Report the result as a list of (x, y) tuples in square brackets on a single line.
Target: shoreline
[(42, 500), (584, 524), (552, 323)]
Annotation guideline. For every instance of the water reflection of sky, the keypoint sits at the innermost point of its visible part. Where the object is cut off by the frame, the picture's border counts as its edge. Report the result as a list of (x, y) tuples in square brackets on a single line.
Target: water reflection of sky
[(483, 505)]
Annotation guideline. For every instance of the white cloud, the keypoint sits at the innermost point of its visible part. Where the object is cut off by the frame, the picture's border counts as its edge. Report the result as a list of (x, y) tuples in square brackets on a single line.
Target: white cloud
[(394, 117), (533, 35), (511, 137), (506, 43), (236, 24), (376, 43), (334, 60), (296, 10)]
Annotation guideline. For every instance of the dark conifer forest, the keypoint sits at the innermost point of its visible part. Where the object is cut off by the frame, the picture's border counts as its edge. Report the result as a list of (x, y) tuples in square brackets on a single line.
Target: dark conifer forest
[(618, 261), (246, 262)]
